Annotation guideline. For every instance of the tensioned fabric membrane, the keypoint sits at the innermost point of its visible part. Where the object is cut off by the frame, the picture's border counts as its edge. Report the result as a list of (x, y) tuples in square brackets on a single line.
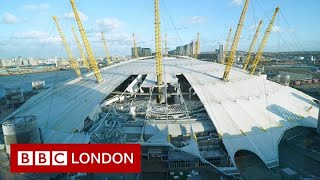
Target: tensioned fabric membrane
[(249, 112)]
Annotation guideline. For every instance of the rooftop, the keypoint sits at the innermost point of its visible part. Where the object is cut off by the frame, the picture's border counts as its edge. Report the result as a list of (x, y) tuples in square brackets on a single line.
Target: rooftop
[(248, 112)]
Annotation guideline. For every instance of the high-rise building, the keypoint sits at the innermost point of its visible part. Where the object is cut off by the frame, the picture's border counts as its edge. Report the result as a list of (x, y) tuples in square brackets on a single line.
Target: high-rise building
[(179, 50), (192, 46), (132, 51), (172, 52), (2, 63), (186, 50), (142, 52), (220, 55), (145, 52)]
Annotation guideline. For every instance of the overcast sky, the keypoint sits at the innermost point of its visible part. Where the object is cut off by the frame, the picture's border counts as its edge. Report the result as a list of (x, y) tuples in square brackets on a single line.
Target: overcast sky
[(27, 28)]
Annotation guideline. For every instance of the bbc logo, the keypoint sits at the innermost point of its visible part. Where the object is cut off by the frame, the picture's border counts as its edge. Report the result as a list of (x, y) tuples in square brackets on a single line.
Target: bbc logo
[(42, 158), (74, 158)]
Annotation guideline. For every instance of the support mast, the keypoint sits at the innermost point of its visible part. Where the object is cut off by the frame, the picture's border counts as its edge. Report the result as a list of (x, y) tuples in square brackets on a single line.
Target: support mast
[(255, 37), (92, 59), (197, 46), (83, 57), (73, 62), (106, 49), (158, 48), (235, 42), (263, 42), (135, 49), (223, 61)]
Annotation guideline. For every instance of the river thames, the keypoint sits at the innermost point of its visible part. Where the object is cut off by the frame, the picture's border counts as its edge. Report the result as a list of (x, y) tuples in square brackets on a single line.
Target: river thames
[(24, 81)]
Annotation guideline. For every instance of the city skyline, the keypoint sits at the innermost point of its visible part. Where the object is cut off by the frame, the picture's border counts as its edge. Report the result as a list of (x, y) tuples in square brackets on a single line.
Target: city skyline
[(27, 28)]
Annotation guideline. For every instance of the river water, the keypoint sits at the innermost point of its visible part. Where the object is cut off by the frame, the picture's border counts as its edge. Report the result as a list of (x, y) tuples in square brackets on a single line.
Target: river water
[(24, 81)]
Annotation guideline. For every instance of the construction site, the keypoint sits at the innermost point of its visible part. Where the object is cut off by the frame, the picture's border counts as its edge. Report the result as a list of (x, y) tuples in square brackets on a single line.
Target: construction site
[(194, 119)]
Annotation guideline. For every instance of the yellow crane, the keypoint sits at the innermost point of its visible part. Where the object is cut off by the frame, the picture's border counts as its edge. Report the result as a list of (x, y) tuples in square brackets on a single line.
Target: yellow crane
[(226, 47), (255, 37), (235, 42), (197, 46), (85, 62), (106, 49), (73, 62), (263, 42), (92, 59), (158, 47), (135, 49)]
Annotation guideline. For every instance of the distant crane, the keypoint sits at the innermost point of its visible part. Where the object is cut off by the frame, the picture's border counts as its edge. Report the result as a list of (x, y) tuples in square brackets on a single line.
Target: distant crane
[(135, 49), (235, 42), (197, 46), (255, 37), (83, 57), (226, 47), (263, 42), (158, 48), (92, 59), (73, 62), (106, 49)]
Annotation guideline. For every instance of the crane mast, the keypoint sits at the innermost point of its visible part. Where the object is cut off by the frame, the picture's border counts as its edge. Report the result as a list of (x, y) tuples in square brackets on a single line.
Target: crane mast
[(135, 49), (73, 62), (235, 42), (263, 42), (197, 46), (106, 49), (158, 47), (255, 37), (226, 47), (86, 43), (85, 62)]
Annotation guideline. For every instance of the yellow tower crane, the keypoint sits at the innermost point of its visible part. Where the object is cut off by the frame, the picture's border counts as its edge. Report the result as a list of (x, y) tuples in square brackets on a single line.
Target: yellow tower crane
[(135, 49), (85, 62), (197, 46), (158, 48), (73, 62), (92, 59), (226, 47), (106, 49), (255, 37), (263, 42), (235, 42)]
